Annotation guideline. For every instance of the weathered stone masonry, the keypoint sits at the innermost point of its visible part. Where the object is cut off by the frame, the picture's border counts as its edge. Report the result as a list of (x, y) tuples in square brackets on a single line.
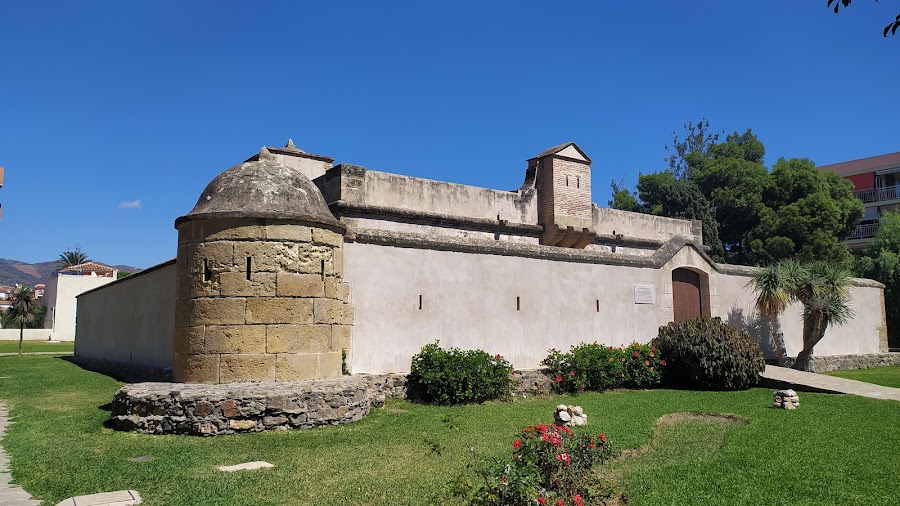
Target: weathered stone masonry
[(260, 290)]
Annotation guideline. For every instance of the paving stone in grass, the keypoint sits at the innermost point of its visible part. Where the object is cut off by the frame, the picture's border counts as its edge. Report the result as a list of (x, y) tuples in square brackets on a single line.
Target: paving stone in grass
[(117, 498), (247, 466)]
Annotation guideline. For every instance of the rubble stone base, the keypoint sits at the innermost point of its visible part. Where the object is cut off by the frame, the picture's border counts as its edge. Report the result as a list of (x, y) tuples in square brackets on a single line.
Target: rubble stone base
[(210, 410), (828, 363)]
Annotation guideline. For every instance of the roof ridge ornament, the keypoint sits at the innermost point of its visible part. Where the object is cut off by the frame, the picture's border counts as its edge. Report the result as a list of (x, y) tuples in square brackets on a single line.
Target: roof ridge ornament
[(265, 154), (290, 144)]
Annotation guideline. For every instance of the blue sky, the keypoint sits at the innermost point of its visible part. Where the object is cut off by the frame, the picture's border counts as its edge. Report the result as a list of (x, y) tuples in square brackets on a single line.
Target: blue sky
[(103, 104)]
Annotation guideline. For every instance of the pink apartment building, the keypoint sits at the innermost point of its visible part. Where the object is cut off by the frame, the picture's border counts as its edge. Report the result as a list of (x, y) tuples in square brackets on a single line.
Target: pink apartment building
[(876, 182)]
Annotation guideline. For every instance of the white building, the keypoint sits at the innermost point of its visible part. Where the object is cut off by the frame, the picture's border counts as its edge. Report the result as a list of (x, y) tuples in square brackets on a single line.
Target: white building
[(61, 291)]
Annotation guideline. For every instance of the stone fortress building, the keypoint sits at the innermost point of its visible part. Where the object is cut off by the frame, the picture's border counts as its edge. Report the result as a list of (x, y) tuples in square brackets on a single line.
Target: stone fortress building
[(290, 267)]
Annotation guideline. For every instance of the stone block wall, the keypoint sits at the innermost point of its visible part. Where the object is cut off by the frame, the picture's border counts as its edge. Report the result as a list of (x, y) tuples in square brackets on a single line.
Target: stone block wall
[(572, 192), (259, 300)]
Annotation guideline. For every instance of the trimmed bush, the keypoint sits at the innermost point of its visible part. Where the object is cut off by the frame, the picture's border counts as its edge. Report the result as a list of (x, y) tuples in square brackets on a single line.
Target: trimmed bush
[(597, 367), (455, 376), (707, 354)]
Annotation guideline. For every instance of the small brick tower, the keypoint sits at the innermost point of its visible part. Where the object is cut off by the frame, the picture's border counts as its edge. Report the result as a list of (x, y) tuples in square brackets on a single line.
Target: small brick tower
[(562, 177), (260, 291)]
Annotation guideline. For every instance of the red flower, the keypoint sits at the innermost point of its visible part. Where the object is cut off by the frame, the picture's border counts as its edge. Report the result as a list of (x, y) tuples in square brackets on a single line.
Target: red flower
[(652, 354), (612, 359), (503, 479), (560, 503), (635, 354), (572, 373), (577, 499), (542, 501), (558, 378), (602, 437), (653, 348), (646, 362), (610, 346), (516, 444), (592, 446), (662, 363), (498, 356), (582, 390)]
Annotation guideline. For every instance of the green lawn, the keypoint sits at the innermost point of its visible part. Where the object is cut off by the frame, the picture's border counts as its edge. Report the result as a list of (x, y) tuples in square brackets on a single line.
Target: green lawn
[(33, 346), (888, 376), (834, 450)]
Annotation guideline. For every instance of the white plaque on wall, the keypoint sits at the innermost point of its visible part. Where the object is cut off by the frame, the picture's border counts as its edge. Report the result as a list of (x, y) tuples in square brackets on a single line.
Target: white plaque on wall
[(644, 294)]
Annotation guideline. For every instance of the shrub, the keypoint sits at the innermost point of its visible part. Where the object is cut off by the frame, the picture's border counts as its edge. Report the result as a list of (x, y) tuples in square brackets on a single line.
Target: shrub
[(598, 367), (455, 376), (549, 464), (707, 354)]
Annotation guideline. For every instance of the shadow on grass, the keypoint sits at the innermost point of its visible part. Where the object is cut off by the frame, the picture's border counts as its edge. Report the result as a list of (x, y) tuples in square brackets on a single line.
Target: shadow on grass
[(123, 372)]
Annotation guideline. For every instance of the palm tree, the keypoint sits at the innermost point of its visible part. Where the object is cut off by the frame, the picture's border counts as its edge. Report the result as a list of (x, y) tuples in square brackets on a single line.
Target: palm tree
[(70, 258), (22, 311), (825, 295), (775, 286)]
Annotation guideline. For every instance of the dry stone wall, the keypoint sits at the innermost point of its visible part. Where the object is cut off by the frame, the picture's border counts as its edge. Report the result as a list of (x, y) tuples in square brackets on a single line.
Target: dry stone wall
[(259, 300)]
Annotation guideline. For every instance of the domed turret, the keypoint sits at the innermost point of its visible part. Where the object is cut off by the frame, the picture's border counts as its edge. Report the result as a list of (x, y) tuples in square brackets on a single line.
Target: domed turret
[(263, 188), (260, 291)]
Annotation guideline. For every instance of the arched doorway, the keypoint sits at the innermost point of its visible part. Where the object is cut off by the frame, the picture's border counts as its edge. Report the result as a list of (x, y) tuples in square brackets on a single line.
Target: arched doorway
[(687, 294)]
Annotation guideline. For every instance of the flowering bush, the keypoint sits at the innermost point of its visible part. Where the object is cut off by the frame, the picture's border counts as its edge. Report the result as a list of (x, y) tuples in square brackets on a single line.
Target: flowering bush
[(598, 367), (455, 376), (550, 465), (708, 354)]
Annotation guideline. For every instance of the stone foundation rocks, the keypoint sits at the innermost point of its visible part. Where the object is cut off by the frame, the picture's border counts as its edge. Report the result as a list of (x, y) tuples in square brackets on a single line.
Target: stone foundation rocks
[(533, 382), (785, 399), (828, 363), (569, 415), (210, 410)]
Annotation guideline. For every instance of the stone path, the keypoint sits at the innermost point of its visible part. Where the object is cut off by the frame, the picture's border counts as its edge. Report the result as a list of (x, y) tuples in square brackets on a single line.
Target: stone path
[(782, 377), (10, 495)]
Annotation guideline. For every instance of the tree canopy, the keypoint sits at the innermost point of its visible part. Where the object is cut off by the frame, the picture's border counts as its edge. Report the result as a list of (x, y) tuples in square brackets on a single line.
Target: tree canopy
[(881, 262), (69, 258), (750, 215), (890, 27)]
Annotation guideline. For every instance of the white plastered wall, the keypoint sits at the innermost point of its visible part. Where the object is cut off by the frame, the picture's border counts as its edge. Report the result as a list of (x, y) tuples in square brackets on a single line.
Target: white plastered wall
[(469, 301), (131, 321), (60, 298)]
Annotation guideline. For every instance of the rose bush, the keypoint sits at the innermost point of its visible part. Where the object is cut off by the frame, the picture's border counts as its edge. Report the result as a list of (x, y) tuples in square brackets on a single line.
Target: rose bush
[(549, 464), (598, 367)]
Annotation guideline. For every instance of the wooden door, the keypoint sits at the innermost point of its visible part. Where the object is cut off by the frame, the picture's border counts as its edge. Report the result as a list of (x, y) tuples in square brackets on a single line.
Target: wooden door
[(686, 294)]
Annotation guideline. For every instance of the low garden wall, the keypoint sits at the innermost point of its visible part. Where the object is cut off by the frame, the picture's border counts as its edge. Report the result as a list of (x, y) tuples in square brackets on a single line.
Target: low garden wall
[(846, 362), (211, 410), (28, 334)]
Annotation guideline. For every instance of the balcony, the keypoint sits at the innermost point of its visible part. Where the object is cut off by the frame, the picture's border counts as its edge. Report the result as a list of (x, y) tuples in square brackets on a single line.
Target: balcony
[(878, 194), (864, 231)]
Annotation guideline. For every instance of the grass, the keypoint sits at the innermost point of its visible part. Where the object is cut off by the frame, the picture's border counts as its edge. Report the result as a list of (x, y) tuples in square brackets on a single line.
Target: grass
[(888, 376), (36, 346), (834, 450)]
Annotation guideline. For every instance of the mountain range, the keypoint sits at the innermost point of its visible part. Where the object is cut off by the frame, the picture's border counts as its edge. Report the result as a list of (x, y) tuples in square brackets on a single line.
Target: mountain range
[(14, 272)]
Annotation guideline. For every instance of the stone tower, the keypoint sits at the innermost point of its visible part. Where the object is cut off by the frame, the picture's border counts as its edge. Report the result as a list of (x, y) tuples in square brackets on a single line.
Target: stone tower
[(260, 290), (563, 181)]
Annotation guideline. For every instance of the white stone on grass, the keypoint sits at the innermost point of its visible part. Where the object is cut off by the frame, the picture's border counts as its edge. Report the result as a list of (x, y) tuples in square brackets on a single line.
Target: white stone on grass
[(118, 498), (247, 466)]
